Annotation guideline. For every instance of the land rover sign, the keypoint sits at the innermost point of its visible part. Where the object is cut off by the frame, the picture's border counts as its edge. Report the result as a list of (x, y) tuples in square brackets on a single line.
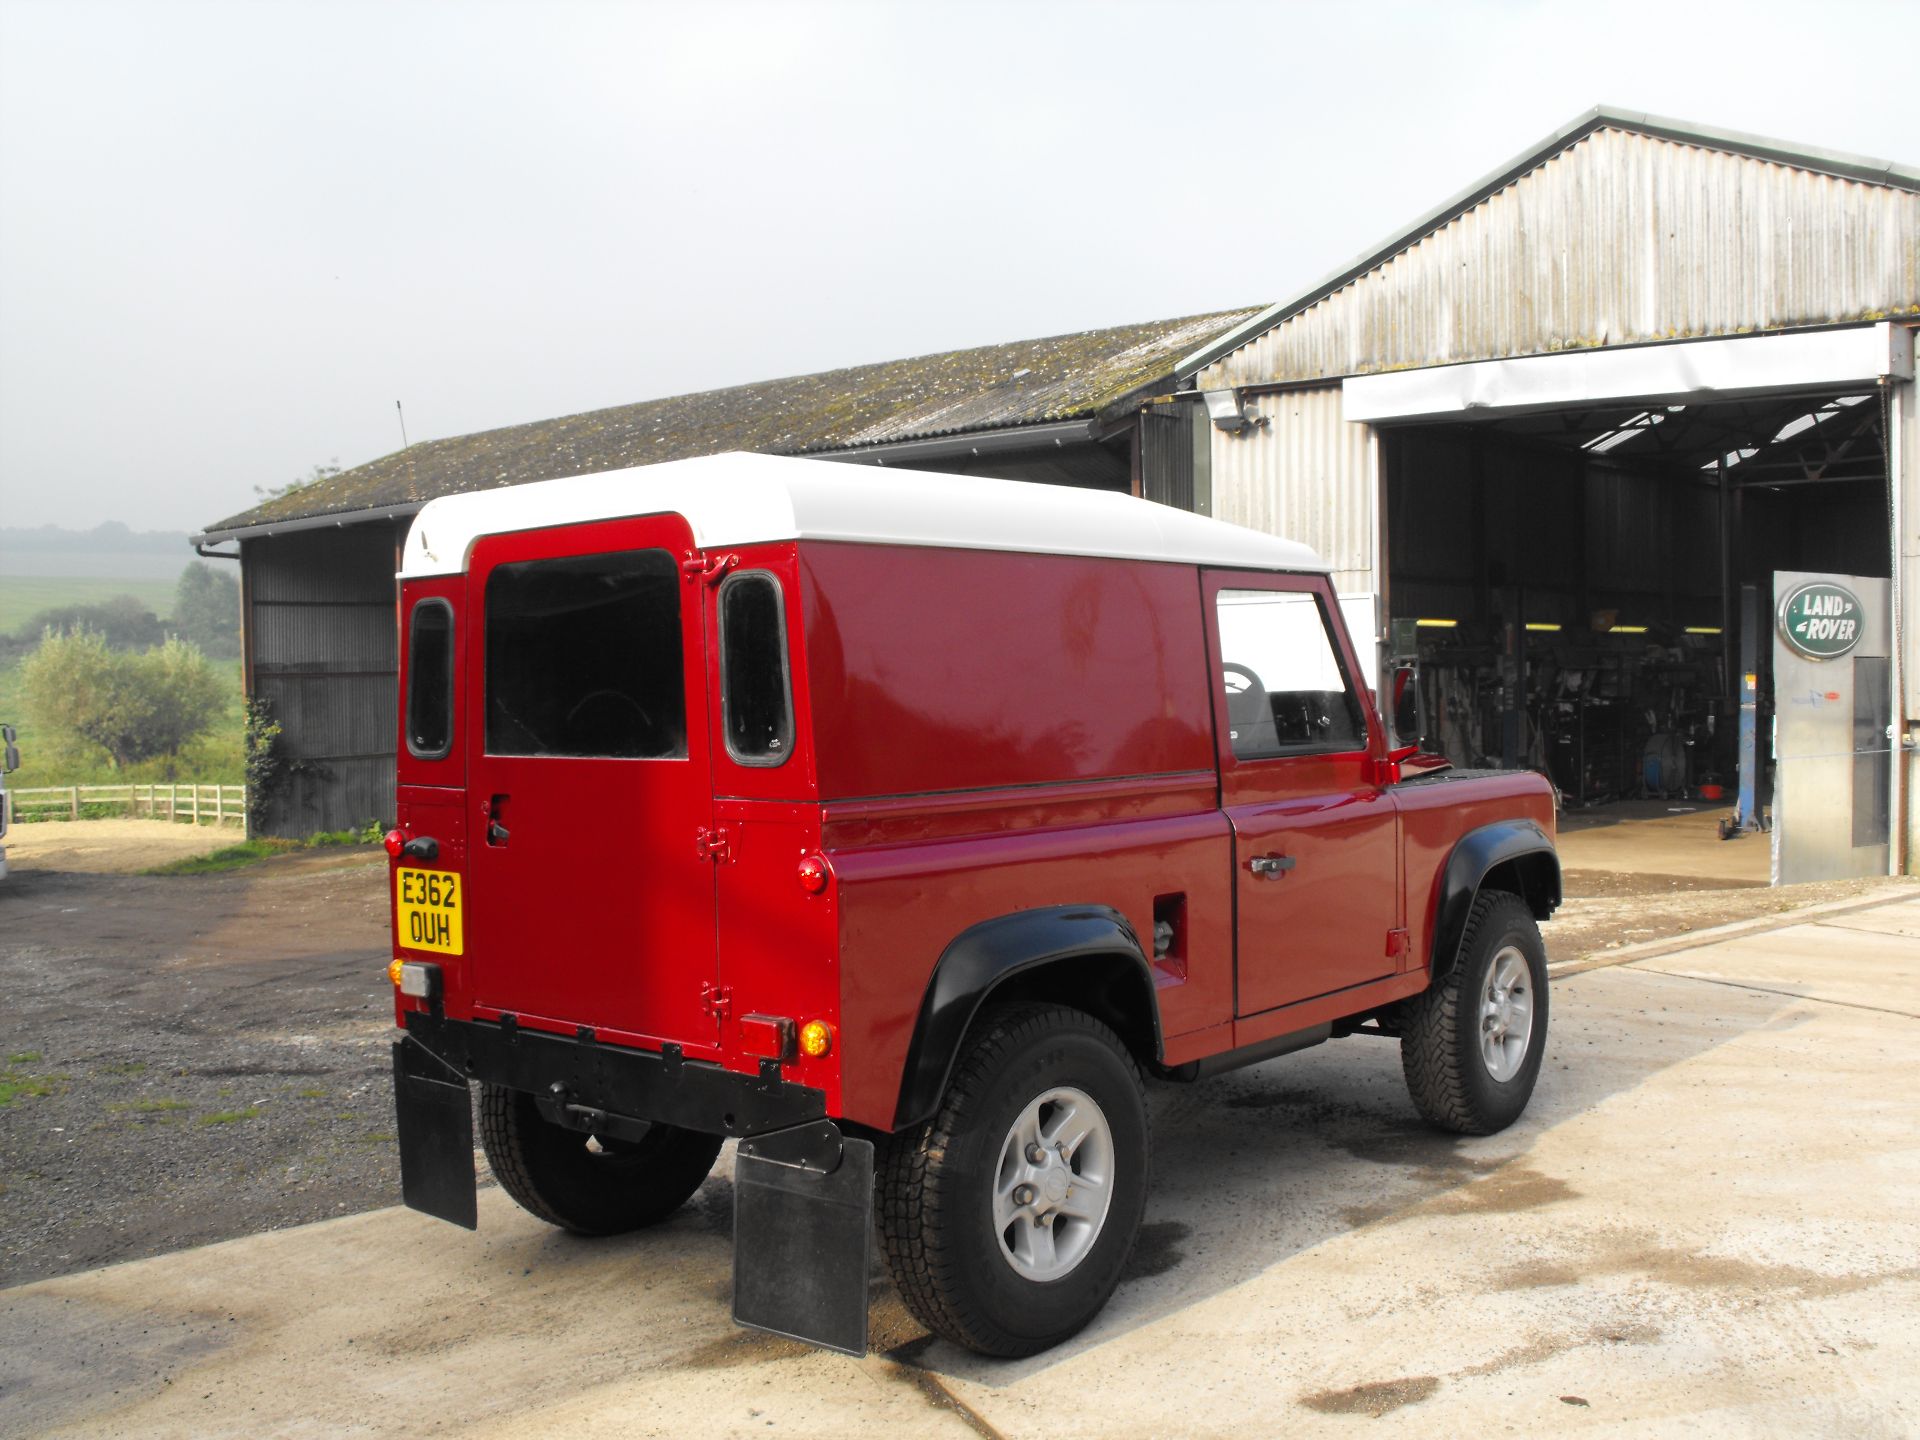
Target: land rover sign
[(1821, 620)]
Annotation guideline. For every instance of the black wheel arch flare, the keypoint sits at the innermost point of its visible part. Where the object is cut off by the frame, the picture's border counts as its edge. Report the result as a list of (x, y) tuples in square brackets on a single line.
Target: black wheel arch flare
[(1091, 949), (1515, 855)]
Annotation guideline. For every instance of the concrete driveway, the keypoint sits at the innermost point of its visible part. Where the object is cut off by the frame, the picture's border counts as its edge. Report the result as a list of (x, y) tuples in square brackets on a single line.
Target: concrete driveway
[(1708, 1223)]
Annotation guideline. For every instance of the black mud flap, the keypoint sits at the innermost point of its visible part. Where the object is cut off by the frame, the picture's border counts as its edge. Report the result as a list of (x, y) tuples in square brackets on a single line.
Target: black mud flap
[(436, 1135), (803, 1235)]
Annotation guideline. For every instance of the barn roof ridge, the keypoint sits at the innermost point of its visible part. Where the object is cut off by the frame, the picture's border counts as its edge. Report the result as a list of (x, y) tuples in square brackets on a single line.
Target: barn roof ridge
[(1006, 387), (1864, 169)]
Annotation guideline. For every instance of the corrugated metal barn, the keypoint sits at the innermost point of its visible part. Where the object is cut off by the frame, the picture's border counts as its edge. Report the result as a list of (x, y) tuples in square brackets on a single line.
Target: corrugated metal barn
[(1549, 434), (1558, 428)]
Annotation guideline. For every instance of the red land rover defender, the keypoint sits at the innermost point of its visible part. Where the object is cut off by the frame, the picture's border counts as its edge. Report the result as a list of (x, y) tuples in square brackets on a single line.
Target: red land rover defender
[(898, 825)]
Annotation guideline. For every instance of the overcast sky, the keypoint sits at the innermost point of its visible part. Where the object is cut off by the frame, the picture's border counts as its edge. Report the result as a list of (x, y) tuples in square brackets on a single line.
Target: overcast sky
[(232, 235)]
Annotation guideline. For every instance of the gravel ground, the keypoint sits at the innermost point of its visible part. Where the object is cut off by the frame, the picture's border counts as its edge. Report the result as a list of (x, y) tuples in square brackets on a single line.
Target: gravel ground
[(190, 1058)]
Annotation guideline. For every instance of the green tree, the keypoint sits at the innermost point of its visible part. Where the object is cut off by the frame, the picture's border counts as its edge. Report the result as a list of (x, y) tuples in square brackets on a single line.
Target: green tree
[(134, 706), (206, 609)]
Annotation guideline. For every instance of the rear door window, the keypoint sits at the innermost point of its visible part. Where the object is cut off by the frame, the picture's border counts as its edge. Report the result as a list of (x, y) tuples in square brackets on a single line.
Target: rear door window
[(430, 680), (756, 696), (1287, 692), (583, 657)]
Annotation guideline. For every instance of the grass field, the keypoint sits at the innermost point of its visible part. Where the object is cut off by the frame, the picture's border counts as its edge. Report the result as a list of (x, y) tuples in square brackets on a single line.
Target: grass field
[(24, 596)]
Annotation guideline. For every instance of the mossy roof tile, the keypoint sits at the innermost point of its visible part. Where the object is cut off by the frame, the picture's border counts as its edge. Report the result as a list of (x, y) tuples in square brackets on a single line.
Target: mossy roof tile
[(1061, 377)]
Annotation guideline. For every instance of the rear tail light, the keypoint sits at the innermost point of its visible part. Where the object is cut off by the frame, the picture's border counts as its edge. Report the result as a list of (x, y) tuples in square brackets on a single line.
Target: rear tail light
[(394, 840)]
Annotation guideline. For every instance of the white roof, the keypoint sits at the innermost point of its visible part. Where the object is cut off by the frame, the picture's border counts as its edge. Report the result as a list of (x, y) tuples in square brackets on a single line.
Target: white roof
[(740, 499)]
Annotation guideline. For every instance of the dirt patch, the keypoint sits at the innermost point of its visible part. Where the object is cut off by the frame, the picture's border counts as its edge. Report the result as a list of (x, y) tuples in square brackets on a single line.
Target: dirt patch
[(1605, 910), (1381, 1397), (1507, 1191), (190, 1058), (745, 1347), (111, 847), (1632, 1253)]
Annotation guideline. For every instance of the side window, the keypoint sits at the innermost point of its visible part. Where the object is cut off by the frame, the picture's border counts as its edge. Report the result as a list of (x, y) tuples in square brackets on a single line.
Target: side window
[(584, 657), (756, 698), (430, 680), (1287, 692)]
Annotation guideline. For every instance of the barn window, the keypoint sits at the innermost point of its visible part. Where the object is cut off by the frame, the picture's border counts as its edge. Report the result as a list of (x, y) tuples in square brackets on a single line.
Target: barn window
[(430, 680), (756, 700), (584, 657)]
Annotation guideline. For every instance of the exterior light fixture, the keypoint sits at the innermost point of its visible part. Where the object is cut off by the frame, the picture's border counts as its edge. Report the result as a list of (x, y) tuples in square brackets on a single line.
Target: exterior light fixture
[(1226, 412)]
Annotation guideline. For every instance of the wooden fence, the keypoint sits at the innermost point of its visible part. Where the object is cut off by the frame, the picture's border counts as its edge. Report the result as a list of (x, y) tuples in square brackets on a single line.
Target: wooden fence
[(188, 804)]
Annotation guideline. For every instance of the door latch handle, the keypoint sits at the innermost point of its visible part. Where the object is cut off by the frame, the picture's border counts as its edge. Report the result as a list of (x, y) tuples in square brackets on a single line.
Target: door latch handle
[(491, 812), (1270, 867)]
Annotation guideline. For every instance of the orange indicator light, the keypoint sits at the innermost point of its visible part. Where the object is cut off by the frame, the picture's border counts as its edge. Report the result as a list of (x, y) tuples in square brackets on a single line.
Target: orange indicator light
[(393, 970), (816, 1038)]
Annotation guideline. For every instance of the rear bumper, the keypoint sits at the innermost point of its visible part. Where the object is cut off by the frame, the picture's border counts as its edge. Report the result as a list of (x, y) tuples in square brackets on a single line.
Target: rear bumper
[(585, 1082)]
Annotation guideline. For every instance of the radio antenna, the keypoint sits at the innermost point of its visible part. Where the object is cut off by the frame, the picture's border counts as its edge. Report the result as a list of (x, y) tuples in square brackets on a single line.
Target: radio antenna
[(403, 423)]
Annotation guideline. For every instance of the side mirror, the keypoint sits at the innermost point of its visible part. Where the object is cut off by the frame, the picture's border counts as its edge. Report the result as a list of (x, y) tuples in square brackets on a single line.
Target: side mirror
[(12, 762), (1407, 727)]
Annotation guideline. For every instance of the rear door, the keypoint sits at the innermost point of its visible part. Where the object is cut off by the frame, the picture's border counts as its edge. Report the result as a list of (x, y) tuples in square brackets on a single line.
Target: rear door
[(590, 900), (1316, 841)]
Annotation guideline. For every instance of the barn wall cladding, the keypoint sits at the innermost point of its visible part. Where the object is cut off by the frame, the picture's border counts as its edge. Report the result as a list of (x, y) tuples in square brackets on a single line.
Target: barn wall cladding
[(1305, 473), (323, 651), (1619, 239)]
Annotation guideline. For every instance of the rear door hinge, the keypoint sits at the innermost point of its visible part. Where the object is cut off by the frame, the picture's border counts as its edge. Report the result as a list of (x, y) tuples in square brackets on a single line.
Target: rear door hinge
[(717, 1000), (1397, 943), (704, 565), (713, 844)]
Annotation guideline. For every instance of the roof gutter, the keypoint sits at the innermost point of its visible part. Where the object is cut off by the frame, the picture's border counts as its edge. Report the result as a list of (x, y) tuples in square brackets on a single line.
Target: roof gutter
[(1057, 433), (335, 520)]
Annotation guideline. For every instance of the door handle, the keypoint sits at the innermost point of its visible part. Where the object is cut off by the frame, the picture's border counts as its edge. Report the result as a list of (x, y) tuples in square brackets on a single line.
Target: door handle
[(491, 812), (1270, 867)]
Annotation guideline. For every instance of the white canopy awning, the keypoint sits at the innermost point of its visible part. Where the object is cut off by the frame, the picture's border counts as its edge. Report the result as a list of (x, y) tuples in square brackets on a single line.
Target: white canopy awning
[(1678, 372)]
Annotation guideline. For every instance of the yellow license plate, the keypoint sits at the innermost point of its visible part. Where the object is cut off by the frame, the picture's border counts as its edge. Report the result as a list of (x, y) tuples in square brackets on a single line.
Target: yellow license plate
[(427, 910)]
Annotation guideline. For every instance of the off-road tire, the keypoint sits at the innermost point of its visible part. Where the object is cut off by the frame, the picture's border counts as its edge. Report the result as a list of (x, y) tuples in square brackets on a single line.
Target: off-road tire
[(553, 1174), (1440, 1049), (935, 1183)]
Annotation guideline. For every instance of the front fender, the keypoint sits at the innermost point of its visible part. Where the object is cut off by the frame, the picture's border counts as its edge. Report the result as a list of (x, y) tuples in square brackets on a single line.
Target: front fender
[(984, 957), (1518, 847)]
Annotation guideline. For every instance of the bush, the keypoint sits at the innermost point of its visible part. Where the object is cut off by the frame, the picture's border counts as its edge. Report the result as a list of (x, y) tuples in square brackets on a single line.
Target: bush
[(133, 706)]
